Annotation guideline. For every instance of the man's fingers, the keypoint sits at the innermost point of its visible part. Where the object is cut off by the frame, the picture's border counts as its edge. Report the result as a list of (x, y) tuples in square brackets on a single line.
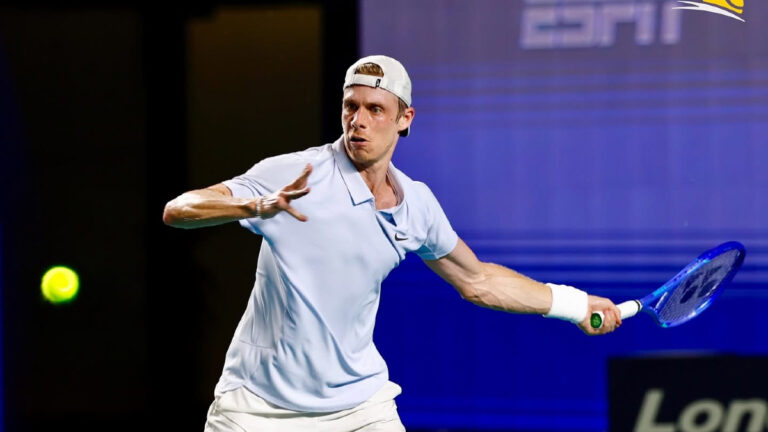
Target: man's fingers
[(301, 181), (295, 213), (611, 321), (616, 318), (608, 322), (615, 315), (291, 195), (611, 314)]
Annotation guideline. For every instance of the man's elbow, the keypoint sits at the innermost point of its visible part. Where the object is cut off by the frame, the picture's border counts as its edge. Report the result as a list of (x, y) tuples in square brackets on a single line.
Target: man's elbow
[(170, 214), (470, 293)]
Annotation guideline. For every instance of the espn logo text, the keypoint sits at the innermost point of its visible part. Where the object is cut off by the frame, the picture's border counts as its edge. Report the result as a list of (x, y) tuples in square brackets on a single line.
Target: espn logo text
[(555, 24), (704, 415)]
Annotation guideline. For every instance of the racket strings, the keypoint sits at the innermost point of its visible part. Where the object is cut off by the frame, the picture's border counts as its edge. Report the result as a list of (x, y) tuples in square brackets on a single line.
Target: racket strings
[(694, 290)]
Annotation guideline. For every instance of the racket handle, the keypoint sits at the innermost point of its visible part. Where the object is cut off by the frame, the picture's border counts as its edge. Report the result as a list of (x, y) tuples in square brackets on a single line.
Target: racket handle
[(628, 309)]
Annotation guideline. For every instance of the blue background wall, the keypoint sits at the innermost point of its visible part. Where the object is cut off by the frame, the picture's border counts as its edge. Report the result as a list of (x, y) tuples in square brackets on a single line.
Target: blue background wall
[(602, 144)]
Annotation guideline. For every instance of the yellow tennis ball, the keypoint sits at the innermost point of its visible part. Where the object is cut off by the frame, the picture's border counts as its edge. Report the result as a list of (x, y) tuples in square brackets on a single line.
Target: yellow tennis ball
[(60, 284)]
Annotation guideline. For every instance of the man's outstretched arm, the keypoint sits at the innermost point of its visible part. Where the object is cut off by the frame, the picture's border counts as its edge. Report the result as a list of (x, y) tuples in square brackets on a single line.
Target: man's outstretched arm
[(497, 287), (215, 205)]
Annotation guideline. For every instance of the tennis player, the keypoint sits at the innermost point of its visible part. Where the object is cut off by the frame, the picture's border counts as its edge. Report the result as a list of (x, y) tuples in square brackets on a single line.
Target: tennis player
[(302, 357)]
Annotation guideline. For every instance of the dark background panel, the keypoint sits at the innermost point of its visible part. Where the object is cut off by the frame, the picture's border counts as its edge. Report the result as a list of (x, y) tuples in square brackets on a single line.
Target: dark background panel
[(107, 112), (247, 100), (80, 201), (710, 392)]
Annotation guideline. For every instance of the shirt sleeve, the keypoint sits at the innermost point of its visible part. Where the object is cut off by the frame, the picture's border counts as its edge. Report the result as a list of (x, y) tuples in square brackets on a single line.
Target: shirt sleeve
[(441, 239), (265, 177)]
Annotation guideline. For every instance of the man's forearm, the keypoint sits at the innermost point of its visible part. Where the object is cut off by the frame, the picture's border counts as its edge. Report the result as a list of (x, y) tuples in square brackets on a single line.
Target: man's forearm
[(497, 287), (504, 289), (201, 208)]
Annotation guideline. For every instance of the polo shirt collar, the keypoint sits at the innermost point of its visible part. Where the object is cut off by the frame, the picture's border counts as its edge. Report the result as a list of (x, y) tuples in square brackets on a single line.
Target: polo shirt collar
[(356, 186)]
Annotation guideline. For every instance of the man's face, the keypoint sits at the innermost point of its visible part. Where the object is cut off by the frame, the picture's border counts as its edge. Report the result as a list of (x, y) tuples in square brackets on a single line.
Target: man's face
[(370, 123)]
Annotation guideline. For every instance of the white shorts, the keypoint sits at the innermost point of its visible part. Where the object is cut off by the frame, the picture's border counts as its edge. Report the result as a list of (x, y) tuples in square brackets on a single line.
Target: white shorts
[(242, 411)]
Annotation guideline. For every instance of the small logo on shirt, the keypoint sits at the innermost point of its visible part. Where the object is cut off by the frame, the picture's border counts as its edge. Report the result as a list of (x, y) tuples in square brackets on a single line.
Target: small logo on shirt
[(398, 237)]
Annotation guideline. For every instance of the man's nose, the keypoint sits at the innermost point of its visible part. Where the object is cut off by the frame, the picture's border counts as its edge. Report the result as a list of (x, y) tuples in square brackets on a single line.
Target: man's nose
[(359, 120)]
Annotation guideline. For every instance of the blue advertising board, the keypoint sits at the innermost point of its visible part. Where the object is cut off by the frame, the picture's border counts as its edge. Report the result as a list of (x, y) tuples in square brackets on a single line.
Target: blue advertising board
[(597, 143)]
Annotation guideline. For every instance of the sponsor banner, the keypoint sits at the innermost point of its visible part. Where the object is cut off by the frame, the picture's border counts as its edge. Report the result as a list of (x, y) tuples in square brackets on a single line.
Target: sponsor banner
[(688, 394)]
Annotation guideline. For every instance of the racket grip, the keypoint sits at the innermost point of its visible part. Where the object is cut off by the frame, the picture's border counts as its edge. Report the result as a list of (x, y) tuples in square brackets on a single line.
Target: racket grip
[(628, 309)]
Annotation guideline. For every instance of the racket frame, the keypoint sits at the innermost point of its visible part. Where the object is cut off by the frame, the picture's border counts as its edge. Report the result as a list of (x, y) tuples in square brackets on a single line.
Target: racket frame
[(655, 300)]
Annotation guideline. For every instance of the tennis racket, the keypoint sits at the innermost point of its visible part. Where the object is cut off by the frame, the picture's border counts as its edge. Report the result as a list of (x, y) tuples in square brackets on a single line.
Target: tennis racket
[(690, 292)]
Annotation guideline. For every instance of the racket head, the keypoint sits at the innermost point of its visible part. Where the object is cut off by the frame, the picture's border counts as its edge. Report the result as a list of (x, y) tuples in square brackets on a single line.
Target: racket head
[(697, 285)]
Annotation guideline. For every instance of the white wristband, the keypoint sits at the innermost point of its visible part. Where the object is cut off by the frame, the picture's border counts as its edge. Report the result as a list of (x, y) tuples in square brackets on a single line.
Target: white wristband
[(259, 204), (568, 303)]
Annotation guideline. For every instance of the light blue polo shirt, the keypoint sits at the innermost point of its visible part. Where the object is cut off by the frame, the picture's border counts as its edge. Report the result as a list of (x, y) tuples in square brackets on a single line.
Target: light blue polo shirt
[(305, 342)]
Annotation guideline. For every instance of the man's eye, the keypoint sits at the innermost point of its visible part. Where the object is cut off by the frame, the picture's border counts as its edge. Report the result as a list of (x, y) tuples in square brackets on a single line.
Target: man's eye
[(377, 110)]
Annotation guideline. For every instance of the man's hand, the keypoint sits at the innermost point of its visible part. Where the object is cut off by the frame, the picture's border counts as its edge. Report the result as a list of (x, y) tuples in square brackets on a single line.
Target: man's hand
[(215, 205), (611, 319), (268, 206)]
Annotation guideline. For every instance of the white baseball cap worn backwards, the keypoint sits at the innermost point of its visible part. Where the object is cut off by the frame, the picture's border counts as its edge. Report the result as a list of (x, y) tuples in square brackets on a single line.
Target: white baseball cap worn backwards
[(395, 79)]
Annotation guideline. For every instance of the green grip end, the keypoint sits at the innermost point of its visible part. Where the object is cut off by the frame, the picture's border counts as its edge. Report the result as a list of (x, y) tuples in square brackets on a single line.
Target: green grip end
[(596, 321)]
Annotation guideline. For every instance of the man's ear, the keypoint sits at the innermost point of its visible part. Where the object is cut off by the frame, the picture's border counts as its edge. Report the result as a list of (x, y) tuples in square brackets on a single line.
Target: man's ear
[(404, 122)]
